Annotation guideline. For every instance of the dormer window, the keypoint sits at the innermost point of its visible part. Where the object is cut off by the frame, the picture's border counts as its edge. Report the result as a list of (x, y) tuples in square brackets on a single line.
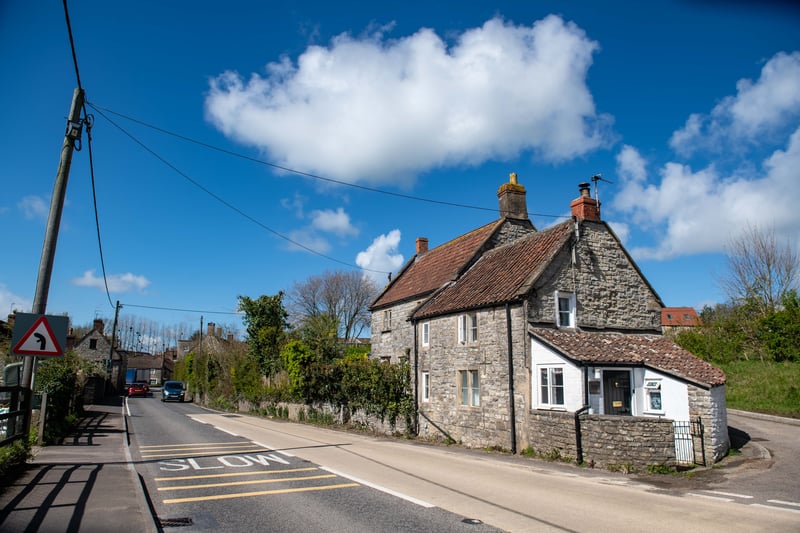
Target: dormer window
[(565, 309)]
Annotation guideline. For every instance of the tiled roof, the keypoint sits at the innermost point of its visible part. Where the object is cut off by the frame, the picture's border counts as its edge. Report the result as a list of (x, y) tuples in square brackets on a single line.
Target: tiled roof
[(501, 274), (679, 316), (428, 271), (655, 351)]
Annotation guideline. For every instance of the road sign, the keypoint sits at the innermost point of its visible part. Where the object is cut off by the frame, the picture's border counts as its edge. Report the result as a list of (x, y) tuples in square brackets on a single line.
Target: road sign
[(40, 335)]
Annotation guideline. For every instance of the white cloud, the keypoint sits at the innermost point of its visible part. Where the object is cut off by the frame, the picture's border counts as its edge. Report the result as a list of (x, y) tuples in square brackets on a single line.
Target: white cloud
[(378, 110), (10, 302), (336, 222), (759, 107), (34, 207), (116, 283), (699, 211), (306, 239), (381, 257)]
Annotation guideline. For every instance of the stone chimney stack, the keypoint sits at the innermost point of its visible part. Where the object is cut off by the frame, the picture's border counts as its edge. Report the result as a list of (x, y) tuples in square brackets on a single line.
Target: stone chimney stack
[(585, 207), (98, 325), (211, 329), (512, 199), (422, 245), (230, 337)]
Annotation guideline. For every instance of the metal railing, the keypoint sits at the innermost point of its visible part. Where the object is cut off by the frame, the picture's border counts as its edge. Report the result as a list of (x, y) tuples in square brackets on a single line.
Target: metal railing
[(12, 413)]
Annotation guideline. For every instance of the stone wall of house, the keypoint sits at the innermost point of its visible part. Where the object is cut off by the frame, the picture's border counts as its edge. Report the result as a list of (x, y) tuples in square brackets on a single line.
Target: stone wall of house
[(710, 406), (610, 291), (393, 342), (489, 424), (511, 230), (606, 441)]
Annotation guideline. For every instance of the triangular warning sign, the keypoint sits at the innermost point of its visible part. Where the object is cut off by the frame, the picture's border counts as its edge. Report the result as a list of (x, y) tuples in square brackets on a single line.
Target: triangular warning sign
[(39, 340)]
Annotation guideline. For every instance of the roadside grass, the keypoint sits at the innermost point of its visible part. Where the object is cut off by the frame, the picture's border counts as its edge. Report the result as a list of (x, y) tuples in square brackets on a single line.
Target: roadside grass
[(763, 387)]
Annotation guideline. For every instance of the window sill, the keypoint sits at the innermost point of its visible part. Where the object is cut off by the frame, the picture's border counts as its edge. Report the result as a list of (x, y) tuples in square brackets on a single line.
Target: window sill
[(552, 408)]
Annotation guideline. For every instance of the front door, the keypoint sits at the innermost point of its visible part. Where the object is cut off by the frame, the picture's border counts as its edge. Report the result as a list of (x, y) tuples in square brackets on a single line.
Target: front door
[(617, 392)]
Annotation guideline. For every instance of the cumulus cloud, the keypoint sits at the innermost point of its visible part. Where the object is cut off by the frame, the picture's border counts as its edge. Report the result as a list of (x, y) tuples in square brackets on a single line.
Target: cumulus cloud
[(377, 110), (116, 283), (10, 302), (336, 222), (381, 257), (34, 207), (698, 211), (758, 108), (305, 239)]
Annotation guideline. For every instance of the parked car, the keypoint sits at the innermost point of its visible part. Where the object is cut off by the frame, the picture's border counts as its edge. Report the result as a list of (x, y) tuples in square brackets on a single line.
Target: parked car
[(137, 389), (173, 390)]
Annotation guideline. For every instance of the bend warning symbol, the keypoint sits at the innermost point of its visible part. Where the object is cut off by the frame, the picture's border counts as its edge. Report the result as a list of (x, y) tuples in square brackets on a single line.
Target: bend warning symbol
[(39, 340)]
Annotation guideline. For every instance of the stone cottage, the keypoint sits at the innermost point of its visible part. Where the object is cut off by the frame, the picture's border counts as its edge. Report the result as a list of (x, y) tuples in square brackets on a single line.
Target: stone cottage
[(547, 340), (96, 346)]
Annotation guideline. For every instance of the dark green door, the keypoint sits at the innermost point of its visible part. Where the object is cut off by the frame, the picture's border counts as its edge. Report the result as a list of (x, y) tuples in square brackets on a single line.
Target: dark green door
[(617, 392)]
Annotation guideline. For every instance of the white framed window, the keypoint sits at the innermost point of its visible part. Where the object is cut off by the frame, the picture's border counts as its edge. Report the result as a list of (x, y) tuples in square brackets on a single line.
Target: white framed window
[(387, 319), (565, 309), (426, 386), (426, 333), (652, 389), (470, 387), (551, 386), (468, 328)]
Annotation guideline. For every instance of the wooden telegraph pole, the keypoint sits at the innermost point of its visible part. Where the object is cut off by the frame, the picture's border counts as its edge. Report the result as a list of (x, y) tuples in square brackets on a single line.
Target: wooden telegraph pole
[(72, 136)]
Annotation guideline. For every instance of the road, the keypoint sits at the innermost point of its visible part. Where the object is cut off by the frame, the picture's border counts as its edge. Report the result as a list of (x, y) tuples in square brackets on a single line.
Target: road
[(299, 477)]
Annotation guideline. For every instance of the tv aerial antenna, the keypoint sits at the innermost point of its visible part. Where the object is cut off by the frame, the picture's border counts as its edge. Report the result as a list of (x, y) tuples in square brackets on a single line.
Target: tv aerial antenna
[(595, 179)]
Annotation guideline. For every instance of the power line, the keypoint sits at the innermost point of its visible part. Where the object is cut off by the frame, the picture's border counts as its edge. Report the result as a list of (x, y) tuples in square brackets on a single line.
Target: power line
[(182, 310), (300, 172), (226, 203)]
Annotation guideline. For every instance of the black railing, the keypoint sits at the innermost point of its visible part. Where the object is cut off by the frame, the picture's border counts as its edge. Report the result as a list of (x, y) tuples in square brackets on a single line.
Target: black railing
[(12, 413)]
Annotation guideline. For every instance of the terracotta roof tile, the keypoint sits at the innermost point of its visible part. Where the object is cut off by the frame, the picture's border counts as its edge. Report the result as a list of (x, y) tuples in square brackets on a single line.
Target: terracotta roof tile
[(655, 351), (500, 274), (426, 272)]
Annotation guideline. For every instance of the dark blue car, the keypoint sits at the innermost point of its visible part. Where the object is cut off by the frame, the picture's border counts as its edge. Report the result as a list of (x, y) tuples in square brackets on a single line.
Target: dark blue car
[(172, 390)]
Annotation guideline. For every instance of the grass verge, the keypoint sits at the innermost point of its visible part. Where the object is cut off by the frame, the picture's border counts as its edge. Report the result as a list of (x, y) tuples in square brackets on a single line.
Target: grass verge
[(763, 387)]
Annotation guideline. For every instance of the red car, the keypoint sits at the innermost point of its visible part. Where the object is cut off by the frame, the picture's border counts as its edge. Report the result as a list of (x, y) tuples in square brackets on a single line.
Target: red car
[(137, 389)]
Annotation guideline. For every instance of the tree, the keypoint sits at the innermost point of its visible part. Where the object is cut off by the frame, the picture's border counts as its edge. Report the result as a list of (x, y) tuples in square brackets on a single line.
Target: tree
[(760, 270), (343, 295), (780, 331), (266, 321)]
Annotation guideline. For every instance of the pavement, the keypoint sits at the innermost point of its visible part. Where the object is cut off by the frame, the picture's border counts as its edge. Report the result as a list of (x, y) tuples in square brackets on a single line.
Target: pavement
[(86, 484), (89, 483)]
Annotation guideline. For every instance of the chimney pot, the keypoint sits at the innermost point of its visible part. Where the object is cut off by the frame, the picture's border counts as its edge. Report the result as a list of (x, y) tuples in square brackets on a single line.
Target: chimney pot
[(98, 325), (422, 245), (585, 207)]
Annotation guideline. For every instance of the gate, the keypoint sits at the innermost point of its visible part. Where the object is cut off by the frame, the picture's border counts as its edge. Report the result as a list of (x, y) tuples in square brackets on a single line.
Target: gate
[(687, 433)]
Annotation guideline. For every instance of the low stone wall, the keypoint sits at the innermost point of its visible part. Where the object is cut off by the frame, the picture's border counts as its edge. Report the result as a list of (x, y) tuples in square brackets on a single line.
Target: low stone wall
[(607, 441), (298, 412)]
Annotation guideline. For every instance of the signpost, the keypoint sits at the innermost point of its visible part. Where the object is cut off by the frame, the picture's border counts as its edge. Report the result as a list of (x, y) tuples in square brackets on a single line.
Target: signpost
[(39, 335)]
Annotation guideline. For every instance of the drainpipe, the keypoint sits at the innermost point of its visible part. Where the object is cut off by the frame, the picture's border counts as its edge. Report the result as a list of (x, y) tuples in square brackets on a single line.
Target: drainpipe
[(578, 437), (416, 379), (511, 410)]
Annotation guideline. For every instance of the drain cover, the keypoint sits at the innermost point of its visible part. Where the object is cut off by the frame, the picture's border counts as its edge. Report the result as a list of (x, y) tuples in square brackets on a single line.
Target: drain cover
[(473, 521), (175, 522)]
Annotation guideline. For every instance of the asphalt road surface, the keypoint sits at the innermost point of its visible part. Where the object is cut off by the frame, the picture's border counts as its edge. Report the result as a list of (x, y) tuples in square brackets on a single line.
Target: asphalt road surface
[(207, 470)]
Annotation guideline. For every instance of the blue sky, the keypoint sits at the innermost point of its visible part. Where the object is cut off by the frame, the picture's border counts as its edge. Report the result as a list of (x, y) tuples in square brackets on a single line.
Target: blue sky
[(691, 109)]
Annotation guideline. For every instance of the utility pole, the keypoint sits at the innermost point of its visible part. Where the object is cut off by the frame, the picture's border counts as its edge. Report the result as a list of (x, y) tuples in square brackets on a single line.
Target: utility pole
[(72, 136), (111, 383)]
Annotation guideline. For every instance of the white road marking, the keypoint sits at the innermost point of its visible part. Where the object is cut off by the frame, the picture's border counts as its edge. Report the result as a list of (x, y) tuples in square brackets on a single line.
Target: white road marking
[(731, 494), (286, 454), (197, 419), (772, 507), (379, 487), (710, 497), (781, 502), (226, 431)]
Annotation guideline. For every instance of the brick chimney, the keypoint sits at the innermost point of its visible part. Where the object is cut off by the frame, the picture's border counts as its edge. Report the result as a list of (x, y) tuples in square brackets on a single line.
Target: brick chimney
[(512, 199), (422, 245), (211, 329), (585, 207), (98, 325)]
